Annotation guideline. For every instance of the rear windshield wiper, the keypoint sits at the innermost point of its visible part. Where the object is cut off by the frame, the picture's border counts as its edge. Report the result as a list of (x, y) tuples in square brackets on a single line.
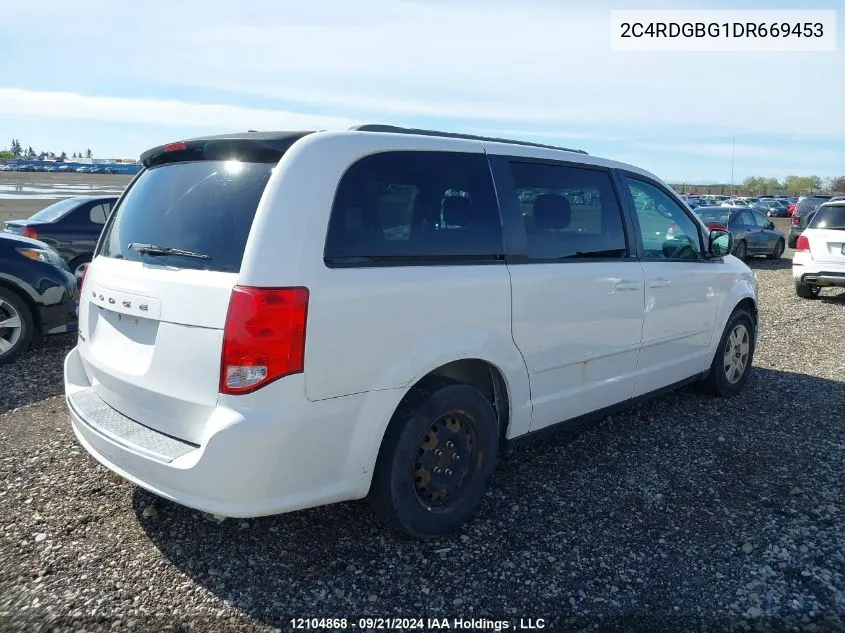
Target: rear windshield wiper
[(152, 249)]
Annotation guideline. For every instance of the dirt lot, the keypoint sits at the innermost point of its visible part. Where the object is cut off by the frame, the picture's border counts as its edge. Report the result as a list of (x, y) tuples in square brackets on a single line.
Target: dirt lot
[(683, 514), (27, 202)]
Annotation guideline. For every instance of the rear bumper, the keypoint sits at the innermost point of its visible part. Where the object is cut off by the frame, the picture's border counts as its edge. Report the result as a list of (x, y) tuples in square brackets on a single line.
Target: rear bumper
[(253, 462), (810, 271)]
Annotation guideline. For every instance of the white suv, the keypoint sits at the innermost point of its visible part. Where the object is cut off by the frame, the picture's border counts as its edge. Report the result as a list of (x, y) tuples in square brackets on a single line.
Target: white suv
[(819, 258), (278, 321)]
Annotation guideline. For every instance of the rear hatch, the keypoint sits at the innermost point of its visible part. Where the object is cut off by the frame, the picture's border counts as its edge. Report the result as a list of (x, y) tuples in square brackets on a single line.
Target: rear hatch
[(151, 318), (827, 238)]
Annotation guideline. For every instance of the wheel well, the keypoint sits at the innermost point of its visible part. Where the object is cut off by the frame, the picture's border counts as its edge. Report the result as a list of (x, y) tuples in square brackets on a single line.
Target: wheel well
[(479, 374), (33, 308), (83, 257), (748, 305)]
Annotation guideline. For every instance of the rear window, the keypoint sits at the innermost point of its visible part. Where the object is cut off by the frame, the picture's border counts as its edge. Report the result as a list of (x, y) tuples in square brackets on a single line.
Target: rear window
[(828, 218), (810, 204), (713, 215), (55, 211), (205, 207)]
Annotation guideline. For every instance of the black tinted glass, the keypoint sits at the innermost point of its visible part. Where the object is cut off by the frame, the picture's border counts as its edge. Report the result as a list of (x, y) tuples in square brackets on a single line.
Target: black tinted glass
[(569, 212), (206, 207), (403, 206), (828, 218)]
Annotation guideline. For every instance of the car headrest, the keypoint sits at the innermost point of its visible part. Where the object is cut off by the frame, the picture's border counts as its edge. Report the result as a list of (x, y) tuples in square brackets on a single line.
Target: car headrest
[(551, 211), (458, 211)]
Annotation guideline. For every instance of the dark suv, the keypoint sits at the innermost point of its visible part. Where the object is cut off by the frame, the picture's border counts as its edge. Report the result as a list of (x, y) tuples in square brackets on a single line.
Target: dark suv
[(804, 211)]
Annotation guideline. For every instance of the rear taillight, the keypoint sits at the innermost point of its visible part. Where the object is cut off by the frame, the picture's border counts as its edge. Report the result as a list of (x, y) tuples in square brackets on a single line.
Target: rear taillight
[(30, 232), (717, 227), (802, 245), (264, 338)]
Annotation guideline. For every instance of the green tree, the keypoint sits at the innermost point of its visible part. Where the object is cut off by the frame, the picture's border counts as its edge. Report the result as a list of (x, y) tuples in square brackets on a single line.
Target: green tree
[(800, 184), (88, 154), (16, 148), (30, 152), (6, 154), (63, 156), (837, 184), (74, 155), (771, 185)]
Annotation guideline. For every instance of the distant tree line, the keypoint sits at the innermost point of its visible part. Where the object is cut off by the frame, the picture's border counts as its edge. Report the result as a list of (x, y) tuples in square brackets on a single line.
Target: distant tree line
[(763, 186), (16, 150)]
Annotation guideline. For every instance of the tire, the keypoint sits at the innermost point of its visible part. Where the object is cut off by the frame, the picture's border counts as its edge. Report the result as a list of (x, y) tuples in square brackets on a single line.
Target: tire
[(721, 382), (807, 291), (778, 252), (76, 262), (411, 476), (16, 337), (741, 250)]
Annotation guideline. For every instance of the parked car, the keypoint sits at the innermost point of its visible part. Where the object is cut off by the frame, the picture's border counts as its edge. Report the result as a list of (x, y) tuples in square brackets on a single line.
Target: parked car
[(37, 294), (753, 233), (804, 210), (772, 208), (71, 226), (735, 203), (261, 334), (819, 259)]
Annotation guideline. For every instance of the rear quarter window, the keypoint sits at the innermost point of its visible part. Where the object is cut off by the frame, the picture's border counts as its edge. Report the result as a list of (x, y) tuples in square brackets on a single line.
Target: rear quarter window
[(206, 207), (414, 207)]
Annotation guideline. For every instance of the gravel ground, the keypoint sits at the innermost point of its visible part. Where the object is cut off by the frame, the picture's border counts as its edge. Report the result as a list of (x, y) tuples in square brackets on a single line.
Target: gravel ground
[(684, 514)]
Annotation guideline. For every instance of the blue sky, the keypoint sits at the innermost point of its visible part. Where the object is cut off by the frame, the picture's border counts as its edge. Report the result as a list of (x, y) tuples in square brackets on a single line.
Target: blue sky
[(119, 77)]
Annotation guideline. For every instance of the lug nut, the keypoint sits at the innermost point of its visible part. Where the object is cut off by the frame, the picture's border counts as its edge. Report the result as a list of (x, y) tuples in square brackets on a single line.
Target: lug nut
[(456, 456), (448, 471), (437, 470), (438, 452), (449, 444)]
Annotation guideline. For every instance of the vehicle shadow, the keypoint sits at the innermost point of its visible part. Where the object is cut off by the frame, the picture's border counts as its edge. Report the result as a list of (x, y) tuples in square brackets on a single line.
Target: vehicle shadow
[(763, 263), (647, 490), (36, 374), (833, 295)]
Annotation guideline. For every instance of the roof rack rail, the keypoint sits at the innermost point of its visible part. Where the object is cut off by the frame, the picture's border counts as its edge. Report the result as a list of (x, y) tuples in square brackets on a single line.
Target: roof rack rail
[(392, 129)]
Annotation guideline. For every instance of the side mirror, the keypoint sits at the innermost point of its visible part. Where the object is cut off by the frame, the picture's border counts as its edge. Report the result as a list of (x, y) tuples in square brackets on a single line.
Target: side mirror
[(720, 243), (771, 225)]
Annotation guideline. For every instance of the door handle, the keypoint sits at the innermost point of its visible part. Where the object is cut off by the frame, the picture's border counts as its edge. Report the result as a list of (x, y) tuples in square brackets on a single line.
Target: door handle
[(660, 282), (628, 284)]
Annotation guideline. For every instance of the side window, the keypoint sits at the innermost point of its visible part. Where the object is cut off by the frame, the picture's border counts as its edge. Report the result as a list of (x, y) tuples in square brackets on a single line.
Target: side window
[(569, 212), (746, 219), (666, 229), (761, 221), (98, 214), (415, 205)]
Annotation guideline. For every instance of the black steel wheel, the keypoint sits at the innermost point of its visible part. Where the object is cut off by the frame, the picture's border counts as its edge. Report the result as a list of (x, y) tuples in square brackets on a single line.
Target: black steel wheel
[(436, 459)]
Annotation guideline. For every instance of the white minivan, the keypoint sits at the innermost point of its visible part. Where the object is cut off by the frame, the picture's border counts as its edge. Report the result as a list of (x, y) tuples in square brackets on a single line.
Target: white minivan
[(276, 321)]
